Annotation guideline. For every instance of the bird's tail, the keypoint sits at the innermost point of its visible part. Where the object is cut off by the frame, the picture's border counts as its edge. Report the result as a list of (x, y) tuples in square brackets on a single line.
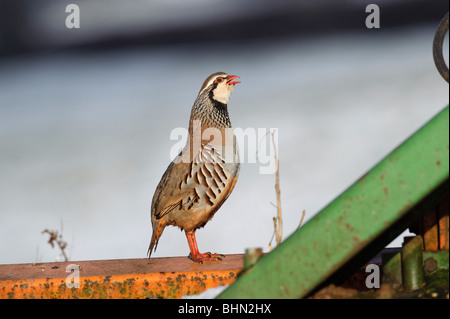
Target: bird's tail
[(157, 232), (153, 243)]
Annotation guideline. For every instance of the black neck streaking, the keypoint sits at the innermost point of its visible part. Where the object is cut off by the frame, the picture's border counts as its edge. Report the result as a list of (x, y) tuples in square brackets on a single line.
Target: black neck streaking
[(211, 112)]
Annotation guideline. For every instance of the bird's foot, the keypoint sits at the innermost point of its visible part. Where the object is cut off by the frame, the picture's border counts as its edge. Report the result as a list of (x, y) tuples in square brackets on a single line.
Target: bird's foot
[(200, 258)]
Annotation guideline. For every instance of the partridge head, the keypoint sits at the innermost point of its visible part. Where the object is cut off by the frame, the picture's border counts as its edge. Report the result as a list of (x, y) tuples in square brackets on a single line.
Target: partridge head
[(199, 180)]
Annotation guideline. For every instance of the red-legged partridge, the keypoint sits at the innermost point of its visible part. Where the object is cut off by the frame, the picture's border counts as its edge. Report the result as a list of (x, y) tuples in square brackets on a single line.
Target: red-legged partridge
[(200, 179)]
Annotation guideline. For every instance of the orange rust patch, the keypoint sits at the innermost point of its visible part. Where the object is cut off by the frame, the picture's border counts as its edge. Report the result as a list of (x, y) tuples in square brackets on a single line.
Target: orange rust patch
[(171, 277)]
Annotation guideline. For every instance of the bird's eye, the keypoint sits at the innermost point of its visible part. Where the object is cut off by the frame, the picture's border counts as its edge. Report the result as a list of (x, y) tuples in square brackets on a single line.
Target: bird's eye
[(219, 80)]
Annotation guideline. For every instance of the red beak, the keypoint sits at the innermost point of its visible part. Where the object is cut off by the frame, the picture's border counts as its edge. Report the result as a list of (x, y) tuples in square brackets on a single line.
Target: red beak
[(232, 77)]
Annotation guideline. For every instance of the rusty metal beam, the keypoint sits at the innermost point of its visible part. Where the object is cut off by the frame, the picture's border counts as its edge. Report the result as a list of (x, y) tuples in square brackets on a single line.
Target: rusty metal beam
[(429, 229), (443, 215), (171, 277)]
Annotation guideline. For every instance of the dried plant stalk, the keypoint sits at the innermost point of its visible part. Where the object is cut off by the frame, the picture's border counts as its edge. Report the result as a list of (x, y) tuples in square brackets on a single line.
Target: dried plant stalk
[(279, 221), (56, 237)]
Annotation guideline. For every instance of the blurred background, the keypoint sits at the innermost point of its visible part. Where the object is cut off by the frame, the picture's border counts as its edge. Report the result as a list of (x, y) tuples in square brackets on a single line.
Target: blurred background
[(86, 114)]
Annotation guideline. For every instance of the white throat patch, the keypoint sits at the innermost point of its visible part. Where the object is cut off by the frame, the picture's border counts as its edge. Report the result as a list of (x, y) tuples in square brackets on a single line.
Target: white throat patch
[(222, 92)]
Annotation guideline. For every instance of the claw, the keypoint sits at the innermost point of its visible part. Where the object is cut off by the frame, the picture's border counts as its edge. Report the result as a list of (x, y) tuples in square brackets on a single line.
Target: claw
[(200, 258), (195, 255)]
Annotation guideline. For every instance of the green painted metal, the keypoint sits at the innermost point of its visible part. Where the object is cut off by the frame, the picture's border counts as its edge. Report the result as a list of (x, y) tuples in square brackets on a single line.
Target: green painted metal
[(392, 269), (435, 260), (412, 264), (361, 216)]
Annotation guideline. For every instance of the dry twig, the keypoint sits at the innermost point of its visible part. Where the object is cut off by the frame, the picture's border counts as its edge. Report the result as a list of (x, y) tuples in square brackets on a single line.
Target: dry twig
[(56, 237), (301, 220), (277, 221)]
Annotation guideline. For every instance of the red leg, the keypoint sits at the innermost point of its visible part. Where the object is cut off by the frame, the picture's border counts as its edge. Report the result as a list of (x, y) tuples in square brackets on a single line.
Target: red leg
[(195, 255)]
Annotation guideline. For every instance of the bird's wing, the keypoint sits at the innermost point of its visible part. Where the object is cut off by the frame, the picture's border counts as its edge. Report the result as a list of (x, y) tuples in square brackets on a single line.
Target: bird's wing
[(198, 184), (168, 194), (207, 175)]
